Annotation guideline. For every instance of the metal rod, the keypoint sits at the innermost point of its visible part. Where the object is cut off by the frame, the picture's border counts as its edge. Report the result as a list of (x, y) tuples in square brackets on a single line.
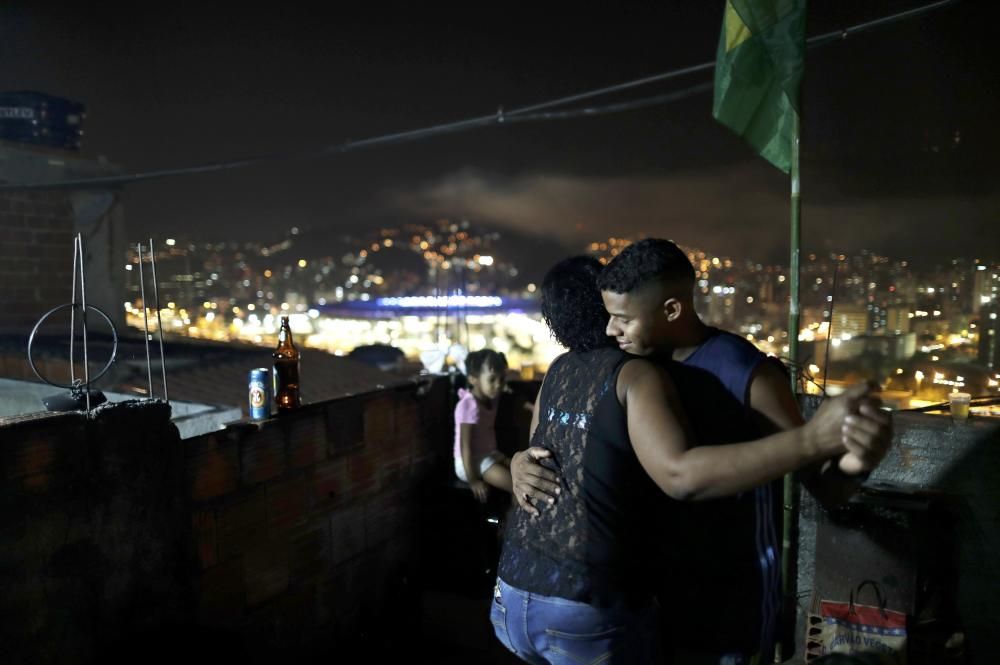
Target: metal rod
[(829, 325), (159, 323), (789, 503), (145, 323), (83, 300), (72, 319)]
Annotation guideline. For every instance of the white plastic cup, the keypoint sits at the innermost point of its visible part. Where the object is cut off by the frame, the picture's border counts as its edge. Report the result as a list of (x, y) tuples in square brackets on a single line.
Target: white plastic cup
[(959, 403)]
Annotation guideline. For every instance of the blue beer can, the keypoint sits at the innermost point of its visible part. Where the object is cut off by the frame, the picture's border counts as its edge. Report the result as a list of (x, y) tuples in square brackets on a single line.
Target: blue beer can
[(260, 394)]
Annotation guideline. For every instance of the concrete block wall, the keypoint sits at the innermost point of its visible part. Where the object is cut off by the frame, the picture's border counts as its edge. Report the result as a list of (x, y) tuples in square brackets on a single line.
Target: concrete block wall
[(959, 463), (261, 542)]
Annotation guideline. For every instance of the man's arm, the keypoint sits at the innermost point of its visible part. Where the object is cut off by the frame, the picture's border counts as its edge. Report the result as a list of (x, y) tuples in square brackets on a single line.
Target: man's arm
[(533, 484), (775, 409), (659, 438), (771, 397)]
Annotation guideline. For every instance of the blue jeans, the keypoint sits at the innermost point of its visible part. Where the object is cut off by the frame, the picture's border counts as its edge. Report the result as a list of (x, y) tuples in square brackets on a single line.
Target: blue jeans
[(542, 629)]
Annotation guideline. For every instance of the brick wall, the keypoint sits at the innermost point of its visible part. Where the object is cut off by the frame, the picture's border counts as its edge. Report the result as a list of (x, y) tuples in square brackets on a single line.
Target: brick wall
[(307, 527), (291, 536), (36, 254)]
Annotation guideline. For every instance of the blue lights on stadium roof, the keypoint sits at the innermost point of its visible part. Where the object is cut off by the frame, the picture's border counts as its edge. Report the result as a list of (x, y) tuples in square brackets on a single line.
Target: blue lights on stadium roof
[(429, 306), (440, 302)]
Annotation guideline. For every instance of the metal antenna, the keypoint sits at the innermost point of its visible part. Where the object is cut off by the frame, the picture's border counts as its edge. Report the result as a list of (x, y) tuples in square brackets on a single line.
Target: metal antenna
[(159, 323), (145, 323), (83, 299), (72, 318)]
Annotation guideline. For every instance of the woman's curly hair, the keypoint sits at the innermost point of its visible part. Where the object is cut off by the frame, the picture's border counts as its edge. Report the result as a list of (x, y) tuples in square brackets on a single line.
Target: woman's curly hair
[(572, 305)]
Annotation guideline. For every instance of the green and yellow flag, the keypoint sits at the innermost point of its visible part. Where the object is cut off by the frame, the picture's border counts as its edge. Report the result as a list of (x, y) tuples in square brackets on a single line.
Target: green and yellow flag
[(758, 70)]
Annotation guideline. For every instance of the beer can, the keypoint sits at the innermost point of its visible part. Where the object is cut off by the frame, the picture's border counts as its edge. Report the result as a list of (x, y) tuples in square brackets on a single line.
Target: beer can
[(260, 394)]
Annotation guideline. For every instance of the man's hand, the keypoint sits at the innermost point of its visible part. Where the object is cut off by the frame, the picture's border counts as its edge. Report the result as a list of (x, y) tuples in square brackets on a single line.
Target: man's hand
[(479, 490), (867, 436), (828, 432), (531, 481)]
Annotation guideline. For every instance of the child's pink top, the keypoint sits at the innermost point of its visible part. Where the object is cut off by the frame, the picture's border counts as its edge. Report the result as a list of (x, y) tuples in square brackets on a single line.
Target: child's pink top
[(484, 436)]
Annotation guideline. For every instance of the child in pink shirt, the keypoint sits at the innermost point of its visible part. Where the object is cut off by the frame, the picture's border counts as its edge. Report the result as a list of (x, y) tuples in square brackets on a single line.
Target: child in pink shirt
[(477, 460)]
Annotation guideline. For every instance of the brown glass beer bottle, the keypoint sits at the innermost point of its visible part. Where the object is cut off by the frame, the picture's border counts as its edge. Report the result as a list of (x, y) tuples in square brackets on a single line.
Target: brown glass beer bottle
[(286, 370)]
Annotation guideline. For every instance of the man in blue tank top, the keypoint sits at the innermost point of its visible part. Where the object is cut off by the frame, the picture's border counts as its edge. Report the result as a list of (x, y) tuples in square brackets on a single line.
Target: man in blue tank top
[(721, 587)]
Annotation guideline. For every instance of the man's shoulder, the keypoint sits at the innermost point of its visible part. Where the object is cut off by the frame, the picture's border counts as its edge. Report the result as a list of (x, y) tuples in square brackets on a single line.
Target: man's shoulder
[(725, 341), (726, 350)]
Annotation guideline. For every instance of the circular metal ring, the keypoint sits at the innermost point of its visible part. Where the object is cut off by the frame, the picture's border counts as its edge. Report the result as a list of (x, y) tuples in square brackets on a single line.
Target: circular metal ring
[(114, 346)]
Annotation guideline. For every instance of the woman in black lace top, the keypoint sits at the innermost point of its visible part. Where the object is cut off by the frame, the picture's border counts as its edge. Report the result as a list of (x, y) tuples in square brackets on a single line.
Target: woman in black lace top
[(564, 592)]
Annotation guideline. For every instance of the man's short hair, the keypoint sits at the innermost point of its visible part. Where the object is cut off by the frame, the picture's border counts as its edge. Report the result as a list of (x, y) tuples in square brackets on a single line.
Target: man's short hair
[(645, 262)]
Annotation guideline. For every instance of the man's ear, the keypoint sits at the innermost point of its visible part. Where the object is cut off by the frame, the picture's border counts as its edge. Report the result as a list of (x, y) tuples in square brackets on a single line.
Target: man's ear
[(672, 309)]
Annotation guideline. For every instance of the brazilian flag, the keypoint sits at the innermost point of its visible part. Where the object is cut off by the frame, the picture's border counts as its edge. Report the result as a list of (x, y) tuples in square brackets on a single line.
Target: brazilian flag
[(758, 70)]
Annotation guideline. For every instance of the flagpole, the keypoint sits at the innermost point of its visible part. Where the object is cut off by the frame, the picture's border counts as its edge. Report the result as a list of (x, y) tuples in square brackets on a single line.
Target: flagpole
[(790, 499)]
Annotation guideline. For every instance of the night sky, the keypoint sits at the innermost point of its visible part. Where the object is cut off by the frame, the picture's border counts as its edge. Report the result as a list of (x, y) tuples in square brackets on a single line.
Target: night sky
[(900, 137)]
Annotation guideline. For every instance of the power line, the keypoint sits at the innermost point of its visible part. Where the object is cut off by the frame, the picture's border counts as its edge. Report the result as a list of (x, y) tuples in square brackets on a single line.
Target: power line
[(529, 113), (590, 112)]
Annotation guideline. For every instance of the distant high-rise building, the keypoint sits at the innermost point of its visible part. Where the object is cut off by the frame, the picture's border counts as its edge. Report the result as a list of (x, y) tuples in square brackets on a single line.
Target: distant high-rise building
[(721, 306), (989, 337), (897, 319), (985, 287), (850, 319), (765, 293)]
